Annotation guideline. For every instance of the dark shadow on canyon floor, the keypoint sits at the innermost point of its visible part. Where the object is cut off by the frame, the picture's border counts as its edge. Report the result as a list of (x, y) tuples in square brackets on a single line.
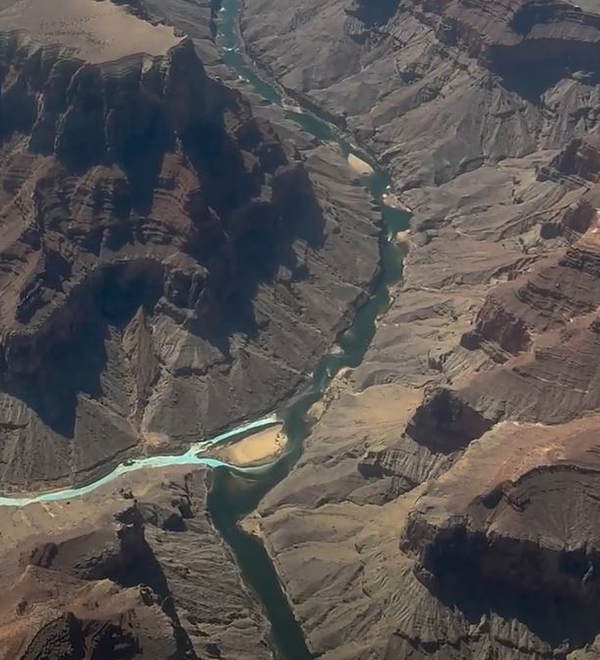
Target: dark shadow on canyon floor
[(553, 616), (374, 12)]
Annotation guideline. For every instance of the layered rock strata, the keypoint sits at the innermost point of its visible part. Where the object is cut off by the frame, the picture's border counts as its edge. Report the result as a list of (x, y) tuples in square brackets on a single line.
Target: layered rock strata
[(445, 503), (134, 570), (170, 264)]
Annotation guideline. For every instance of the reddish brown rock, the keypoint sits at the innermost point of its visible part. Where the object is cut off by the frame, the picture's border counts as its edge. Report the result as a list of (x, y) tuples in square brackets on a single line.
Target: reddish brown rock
[(134, 568), (169, 264)]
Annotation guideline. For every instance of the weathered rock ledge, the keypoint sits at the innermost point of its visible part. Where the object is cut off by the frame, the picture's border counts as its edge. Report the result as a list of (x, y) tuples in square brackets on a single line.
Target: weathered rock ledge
[(169, 264)]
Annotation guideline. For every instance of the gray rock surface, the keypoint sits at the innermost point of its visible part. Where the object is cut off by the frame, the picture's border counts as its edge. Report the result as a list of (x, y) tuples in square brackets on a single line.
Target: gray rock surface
[(445, 502), (172, 263)]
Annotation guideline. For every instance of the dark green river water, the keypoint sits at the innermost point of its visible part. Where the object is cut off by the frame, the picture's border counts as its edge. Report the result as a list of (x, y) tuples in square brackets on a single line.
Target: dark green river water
[(233, 495)]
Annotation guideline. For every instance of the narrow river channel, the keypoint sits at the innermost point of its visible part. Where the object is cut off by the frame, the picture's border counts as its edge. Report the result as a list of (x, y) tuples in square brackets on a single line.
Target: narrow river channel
[(229, 500), (236, 492)]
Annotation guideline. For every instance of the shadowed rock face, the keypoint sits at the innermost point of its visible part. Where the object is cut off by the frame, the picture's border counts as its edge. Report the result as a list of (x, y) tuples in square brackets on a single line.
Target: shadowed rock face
[(518, 538), (141, 575), (373, 13), (445, 424), (158, 246), (456, 467), (99, 595)]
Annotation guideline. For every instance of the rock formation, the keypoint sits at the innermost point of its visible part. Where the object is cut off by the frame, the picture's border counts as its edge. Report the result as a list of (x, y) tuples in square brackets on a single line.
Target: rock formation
[(438, 88), (170, 263), (445, 505), (175, 257), (134, 571)]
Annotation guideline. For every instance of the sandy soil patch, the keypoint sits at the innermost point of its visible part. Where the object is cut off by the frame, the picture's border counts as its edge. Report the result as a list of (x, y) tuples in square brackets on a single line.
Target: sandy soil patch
[(358, 165), (392, 200), (257, 448), (97, 31), (403, 237)]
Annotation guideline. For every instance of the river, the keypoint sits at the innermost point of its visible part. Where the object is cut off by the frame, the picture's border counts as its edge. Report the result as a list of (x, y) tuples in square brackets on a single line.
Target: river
[(233, 494)]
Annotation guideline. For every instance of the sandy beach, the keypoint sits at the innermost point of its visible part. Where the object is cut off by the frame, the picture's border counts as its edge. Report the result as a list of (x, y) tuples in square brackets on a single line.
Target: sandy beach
[(358, 165), (256, 448), (403, 237)]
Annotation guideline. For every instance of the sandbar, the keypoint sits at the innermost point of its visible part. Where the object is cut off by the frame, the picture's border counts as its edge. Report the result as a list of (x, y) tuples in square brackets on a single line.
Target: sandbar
[(358, 165), (261, 447)]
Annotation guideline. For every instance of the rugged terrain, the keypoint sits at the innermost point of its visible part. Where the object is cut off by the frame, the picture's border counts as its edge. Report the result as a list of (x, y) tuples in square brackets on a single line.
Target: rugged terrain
[(169, 262), (134, 570), (173, 260), (445, 504)]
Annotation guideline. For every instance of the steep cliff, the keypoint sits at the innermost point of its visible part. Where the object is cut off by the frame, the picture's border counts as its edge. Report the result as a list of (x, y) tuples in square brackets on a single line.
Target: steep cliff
[(170, 265), (445, 503)]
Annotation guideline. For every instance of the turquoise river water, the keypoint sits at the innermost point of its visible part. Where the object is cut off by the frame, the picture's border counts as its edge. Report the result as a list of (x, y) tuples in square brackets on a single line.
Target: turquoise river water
[(227, 501)]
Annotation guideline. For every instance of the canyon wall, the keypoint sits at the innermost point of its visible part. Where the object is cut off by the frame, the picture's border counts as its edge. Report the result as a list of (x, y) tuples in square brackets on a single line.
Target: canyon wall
[(445, 503), (170, 264)]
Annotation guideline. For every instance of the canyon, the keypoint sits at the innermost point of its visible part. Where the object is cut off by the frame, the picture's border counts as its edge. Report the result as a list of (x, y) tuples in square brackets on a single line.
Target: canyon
[(445, 503), (171, 264), (174, 263), (178, 256)]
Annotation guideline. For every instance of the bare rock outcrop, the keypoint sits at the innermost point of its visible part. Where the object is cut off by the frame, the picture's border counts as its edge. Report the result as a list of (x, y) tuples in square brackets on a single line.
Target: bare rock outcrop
[(519, 533), (135, 569), (170, 264), (82, 619), (437, 89), (465, 529), (92, 595)]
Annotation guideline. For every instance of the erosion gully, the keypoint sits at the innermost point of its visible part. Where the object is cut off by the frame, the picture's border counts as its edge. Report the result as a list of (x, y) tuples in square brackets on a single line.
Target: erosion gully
[(234, 494)]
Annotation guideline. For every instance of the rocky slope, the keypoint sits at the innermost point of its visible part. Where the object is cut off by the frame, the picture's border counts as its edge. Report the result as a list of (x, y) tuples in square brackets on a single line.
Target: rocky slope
[(135, 570), (445, 503), (169, 264), (437, 88)]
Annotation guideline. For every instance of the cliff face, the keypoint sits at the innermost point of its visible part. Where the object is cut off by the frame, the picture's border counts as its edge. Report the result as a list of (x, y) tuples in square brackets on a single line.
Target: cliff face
[(136, 570), (516, 538), (99, 594), (158, 247), (447, 495)]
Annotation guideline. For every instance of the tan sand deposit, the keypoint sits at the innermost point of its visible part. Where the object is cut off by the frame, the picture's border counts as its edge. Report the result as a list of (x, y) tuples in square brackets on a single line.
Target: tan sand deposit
[(95, 31), (358, 165), (257, 448)]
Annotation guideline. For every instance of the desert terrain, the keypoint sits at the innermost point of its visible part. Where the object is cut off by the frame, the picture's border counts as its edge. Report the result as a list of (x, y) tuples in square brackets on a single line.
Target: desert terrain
[(199, 226)]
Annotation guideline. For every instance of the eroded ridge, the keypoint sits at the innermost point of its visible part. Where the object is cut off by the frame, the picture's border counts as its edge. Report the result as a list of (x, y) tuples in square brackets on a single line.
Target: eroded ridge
[(158, 246)]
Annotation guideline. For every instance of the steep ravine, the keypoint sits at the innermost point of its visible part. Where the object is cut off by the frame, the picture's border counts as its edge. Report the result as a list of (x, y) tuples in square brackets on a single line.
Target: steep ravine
[(234, 495)]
